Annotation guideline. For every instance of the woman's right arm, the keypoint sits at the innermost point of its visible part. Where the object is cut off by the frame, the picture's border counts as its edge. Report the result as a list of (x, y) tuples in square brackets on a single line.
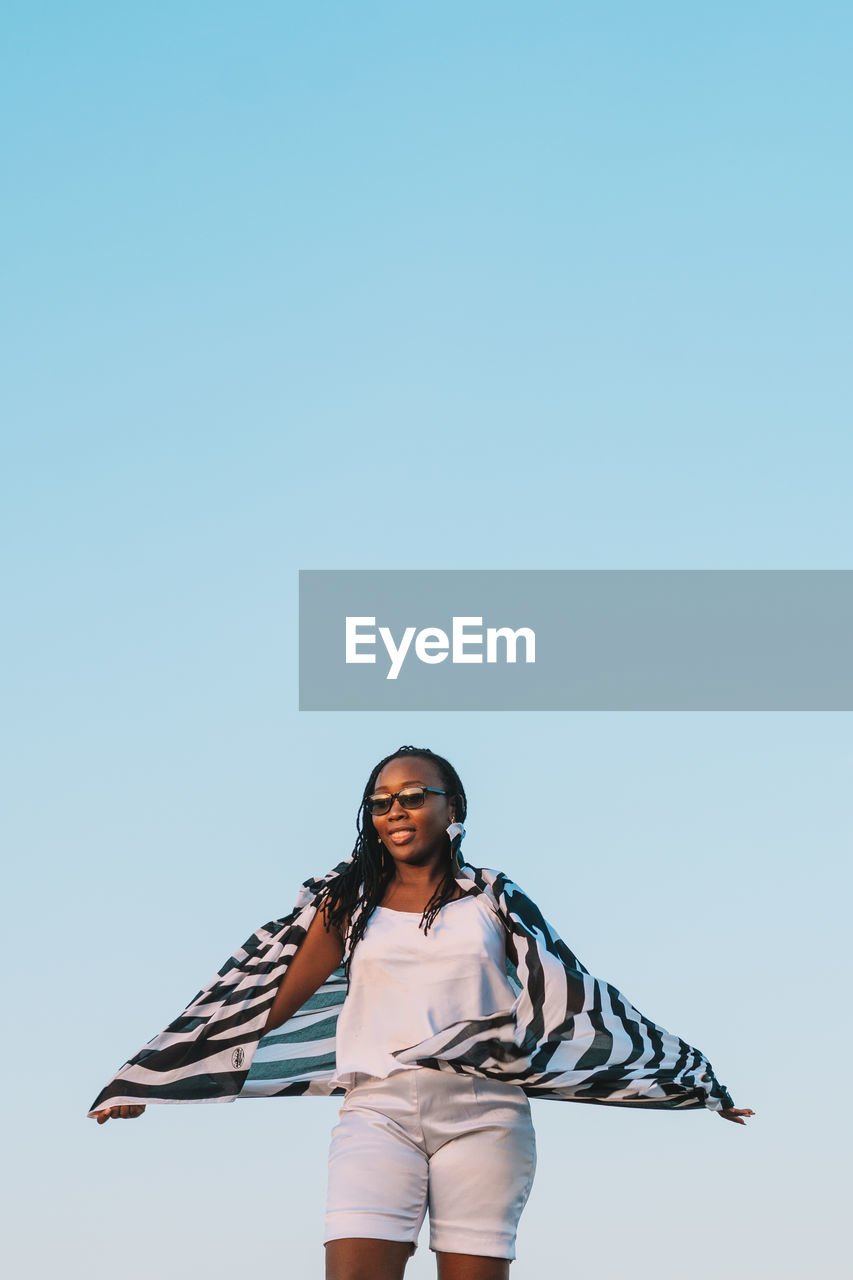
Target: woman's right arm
[(318, 957)]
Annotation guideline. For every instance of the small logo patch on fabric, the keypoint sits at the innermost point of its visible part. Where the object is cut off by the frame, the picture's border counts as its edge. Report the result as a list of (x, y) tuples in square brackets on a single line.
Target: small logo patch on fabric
[(237, 1058)]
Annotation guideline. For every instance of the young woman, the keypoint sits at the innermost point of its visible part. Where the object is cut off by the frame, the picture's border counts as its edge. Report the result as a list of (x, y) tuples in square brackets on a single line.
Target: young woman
[(437, 999)]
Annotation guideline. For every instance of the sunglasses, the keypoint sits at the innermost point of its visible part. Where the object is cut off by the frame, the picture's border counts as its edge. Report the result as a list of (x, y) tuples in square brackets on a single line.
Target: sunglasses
[(410, 798)]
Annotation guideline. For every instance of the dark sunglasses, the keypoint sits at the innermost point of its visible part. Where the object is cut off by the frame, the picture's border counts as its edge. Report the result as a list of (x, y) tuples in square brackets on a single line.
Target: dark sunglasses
[(410, 798)]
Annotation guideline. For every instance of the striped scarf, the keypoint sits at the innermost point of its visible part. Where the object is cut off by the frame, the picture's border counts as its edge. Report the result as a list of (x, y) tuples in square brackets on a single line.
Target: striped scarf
[(568, 1035)]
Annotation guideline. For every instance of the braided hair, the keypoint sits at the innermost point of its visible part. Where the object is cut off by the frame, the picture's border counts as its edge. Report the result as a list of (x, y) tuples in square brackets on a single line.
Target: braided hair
[(364, 882)]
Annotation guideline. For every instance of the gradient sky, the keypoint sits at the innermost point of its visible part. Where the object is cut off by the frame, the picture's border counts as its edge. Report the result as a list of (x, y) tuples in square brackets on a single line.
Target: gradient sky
[(436, 286)]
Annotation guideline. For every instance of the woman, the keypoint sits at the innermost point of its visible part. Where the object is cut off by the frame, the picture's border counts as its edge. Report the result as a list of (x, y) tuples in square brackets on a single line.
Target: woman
[(437, 999)]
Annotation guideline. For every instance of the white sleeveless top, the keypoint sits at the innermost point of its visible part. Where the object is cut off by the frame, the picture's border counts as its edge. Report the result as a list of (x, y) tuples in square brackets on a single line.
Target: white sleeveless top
[(406, 986)]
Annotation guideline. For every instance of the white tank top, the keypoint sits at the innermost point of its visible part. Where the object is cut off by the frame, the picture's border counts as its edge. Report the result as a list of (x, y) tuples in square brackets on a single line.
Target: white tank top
[(406, 986)]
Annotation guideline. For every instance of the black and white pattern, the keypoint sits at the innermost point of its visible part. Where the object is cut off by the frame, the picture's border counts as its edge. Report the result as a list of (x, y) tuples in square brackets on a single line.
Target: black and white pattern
[(568, 1036)]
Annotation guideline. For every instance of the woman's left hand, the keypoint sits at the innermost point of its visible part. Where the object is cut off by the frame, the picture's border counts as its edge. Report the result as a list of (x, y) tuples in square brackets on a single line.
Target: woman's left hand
[(736, 1114)]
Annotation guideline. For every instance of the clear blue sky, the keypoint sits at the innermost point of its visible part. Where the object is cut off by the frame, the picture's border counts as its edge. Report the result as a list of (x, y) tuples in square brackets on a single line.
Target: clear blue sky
[(374, 286)]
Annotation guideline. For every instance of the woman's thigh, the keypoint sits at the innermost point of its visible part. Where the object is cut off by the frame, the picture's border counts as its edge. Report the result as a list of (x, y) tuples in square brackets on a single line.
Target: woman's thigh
[(370, 1260), (480, 1180), (378, 1175)]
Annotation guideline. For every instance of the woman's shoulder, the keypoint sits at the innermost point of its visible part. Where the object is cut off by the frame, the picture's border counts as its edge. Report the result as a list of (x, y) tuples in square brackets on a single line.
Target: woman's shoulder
[(504, 894), (483, 885), (488, 879)]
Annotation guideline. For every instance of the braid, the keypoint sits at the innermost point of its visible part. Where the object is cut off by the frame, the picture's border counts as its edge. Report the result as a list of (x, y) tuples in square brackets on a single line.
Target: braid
[(364, 882)]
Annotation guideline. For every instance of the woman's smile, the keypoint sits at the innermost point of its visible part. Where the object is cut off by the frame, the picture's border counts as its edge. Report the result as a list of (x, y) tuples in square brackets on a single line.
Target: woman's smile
[(401, 835)]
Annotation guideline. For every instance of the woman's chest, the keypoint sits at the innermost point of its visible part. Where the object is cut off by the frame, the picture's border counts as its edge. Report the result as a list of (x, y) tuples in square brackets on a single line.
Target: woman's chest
[(462, 938)]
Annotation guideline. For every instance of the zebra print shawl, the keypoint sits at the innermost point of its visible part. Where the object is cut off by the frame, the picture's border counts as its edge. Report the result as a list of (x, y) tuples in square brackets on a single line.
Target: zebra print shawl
[(568, 1035)]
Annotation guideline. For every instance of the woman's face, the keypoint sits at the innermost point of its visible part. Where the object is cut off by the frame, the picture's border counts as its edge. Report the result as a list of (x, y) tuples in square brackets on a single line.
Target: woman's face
[(413, 836)]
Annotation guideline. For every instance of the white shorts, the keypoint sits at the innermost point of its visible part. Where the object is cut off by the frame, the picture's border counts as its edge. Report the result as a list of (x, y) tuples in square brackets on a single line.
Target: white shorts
[(462, 1146)]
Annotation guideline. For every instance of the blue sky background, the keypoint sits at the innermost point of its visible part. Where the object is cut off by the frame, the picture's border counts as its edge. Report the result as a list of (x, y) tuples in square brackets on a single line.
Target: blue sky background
[(436, 286)]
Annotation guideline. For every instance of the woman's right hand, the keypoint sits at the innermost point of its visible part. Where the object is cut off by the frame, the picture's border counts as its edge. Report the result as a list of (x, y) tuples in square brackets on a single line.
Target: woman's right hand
[(118, 1113)]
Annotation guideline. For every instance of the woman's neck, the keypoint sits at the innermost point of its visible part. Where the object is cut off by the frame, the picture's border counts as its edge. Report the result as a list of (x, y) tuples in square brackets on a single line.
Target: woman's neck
[(410, 888)]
